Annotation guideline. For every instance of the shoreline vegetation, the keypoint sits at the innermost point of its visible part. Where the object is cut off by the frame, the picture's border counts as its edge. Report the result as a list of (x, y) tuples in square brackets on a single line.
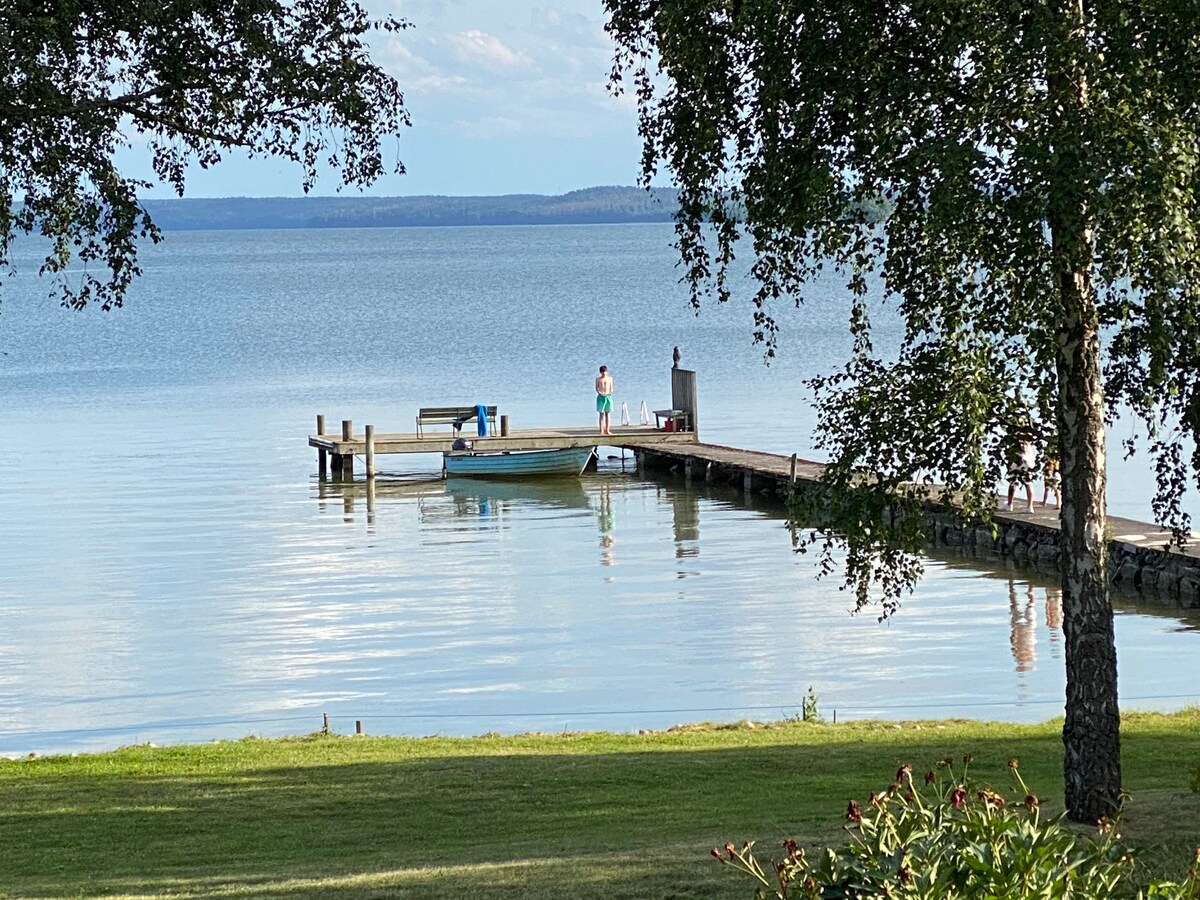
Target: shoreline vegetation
[(575, 815), (589, 206)]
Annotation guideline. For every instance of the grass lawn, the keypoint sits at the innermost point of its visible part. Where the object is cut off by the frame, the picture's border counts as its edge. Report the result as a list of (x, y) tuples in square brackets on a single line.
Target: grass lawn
[(534, 816)]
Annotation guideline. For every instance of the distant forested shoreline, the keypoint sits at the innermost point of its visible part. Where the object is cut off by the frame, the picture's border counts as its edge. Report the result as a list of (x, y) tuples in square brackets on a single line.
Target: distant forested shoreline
[(596, 205)]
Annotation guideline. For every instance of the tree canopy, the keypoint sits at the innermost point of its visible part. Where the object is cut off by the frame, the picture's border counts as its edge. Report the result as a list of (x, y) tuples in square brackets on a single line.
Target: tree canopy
[(193, 80), (1038, 166)]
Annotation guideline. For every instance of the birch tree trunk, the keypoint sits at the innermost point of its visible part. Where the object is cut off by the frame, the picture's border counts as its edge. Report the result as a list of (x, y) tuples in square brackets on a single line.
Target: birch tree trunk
[(1091, 732)]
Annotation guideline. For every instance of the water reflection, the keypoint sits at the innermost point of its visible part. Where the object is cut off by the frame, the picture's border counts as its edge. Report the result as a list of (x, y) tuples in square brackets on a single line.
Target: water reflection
[(606, 525), (484, 505), (1025, 626), (1023, 629), (685, 519), (462, 606), (474, 503), (497, 499)]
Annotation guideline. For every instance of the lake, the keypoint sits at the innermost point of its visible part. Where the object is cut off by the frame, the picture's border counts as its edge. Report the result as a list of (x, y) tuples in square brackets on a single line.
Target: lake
[(174, 571)]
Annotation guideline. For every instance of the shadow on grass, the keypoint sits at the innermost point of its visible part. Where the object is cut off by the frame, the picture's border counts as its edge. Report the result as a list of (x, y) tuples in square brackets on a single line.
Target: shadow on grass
[(635, 823)]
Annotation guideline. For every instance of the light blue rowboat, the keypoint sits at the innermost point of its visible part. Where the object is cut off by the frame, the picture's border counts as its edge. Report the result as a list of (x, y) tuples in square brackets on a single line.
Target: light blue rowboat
[(517, 463)]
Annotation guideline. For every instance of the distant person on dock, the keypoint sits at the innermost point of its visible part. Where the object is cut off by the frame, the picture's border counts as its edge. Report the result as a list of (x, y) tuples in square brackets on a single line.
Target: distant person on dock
[(604, 403), (1022, 472), (1050, 477)]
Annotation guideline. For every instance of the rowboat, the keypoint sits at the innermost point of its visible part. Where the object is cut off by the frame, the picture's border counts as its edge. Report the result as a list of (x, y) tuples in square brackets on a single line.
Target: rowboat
[(517, 463)]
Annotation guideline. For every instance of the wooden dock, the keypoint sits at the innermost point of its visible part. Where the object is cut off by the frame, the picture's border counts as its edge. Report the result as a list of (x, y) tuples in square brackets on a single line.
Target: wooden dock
[(336, 452), (1142, 557)]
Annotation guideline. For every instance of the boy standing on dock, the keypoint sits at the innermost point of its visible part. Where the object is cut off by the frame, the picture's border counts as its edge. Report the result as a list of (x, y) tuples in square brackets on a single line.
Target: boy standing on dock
[(604, 389)]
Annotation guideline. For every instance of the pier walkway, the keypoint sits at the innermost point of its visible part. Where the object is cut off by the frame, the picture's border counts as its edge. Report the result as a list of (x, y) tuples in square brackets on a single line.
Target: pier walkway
[(710, 461), (1141, 557)]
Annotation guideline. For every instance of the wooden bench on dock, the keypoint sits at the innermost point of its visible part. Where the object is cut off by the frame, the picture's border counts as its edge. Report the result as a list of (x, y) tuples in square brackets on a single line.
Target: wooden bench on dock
[(677, 419), (452, 415)]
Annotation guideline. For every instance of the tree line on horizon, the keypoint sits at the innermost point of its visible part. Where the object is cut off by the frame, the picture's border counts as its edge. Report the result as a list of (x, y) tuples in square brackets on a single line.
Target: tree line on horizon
[(597, 205)]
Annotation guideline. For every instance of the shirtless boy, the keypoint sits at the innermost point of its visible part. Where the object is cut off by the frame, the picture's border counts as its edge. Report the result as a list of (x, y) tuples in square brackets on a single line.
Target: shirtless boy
[(604, 389)]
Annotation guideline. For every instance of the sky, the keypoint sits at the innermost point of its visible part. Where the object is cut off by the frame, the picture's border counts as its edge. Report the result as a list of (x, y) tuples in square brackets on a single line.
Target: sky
[(506, 97)]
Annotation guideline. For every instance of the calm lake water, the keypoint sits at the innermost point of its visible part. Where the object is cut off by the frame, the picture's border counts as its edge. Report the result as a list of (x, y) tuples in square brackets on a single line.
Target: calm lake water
[(173, 570)]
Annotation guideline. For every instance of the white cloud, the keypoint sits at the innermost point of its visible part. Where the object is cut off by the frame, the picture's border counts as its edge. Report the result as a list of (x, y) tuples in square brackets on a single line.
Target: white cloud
[(488, 128), (505, 97), (435, 83), (478, 47)]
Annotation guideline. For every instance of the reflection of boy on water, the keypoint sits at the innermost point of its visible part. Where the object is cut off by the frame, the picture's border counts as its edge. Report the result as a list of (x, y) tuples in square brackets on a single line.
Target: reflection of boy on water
[(1023, 635), (606, 526)]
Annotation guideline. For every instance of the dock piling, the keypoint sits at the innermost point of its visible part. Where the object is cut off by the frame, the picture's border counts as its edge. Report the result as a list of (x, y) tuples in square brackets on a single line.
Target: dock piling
[(322, 453), (343, 463), (504, 426), (370, 451)]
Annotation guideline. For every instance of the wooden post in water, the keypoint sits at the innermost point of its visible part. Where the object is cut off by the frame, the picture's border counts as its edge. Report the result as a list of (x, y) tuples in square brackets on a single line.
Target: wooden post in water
[(370, 451), (792, 473), (322, 453), (504, 426), (747, 481), (343, 463)]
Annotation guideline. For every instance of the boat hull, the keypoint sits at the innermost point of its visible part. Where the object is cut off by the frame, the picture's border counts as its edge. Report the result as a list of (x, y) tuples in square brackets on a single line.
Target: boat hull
[(517, 463)]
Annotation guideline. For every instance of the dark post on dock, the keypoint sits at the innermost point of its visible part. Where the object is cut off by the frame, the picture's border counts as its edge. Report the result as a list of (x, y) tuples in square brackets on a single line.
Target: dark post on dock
[(683, 395), (322, 454)]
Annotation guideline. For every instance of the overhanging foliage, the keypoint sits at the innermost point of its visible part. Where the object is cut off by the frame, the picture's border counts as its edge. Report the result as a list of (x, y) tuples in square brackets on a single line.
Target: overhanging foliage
[(193, 80)]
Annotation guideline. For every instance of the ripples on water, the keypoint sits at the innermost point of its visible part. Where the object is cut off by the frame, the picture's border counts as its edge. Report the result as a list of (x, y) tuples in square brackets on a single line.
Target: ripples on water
[(174, 571), (458, 607)]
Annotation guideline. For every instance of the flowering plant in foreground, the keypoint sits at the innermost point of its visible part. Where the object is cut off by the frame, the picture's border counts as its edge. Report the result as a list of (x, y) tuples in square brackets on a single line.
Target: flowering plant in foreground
[(947, 837)]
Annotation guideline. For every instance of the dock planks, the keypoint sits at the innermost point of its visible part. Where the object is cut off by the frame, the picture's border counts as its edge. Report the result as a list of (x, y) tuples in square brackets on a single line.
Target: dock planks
[(631, 436)]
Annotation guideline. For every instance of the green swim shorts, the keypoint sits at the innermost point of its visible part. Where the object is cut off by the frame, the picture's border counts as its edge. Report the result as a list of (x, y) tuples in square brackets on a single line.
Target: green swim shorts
[(604, 403)]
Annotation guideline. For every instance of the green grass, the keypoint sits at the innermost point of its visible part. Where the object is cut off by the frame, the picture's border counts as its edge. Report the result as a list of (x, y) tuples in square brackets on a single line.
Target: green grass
[(532, 816)]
